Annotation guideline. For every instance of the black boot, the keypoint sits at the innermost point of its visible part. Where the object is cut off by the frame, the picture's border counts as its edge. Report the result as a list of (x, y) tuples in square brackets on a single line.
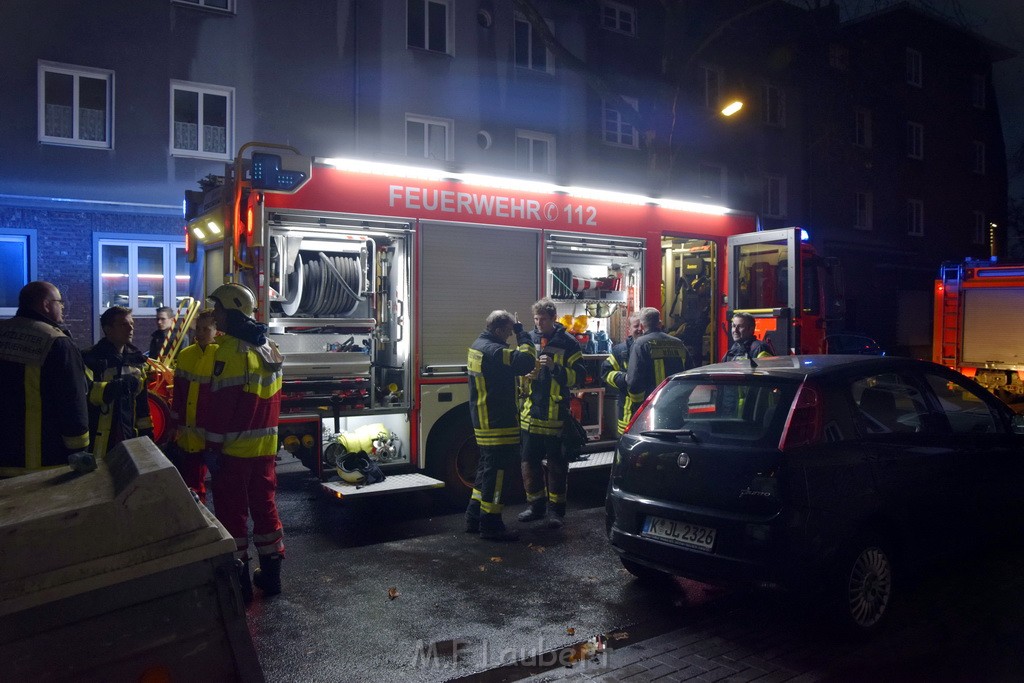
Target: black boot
[(268, 577), (473, 517), (493, 529), (244, 582), (556, 516), (535, 511)]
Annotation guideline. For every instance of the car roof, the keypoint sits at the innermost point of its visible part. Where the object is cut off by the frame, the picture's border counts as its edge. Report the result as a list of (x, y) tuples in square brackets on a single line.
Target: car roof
[(801, 367)]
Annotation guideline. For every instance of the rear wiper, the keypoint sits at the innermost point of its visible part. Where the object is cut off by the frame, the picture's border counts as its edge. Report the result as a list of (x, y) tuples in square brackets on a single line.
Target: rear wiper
[(662, 433)]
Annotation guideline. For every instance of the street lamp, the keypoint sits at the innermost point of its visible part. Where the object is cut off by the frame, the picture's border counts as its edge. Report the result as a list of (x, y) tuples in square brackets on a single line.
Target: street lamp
[(732, 108)]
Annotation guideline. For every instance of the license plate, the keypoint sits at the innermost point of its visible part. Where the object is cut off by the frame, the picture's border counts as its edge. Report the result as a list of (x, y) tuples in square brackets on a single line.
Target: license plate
[(681, 533)]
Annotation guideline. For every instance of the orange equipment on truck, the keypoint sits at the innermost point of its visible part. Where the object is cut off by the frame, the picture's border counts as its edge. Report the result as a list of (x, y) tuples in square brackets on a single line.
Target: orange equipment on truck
[(374, 279), (978, 318)]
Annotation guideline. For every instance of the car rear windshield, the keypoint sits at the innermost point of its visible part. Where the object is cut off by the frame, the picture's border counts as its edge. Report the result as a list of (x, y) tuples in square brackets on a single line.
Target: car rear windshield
[(748, 409)]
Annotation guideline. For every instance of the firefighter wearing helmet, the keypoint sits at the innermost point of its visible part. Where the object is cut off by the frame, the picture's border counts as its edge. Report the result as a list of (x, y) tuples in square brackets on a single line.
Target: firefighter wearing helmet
[(245, 402)]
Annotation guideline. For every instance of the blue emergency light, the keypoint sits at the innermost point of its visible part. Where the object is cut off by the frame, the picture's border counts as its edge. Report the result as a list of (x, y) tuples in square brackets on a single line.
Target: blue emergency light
[(267, 173)]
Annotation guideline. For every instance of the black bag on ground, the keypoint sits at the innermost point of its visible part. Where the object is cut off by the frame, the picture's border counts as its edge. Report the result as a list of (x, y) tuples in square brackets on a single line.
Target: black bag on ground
[(574, 437)]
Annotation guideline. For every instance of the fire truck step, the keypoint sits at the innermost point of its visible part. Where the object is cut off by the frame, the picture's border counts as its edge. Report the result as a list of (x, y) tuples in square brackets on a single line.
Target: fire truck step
[(392, 484), (602, 459)]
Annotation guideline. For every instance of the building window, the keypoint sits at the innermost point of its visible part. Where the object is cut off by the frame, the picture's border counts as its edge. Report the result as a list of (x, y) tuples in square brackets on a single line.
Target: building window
[(914, 76), (773, 196), (711, 181), (862, 128), (618, 17), (978, 165), (838, 57), (427, 137), (915, 140), (774, 103), (427, 22), (17, 266), (712, 86), (530, 51), (202, 120), (980, 228), (915, 217), (979, 91), (142, 274), (218, 5), (865, 209), (615, 130), (76, 105), (535, 152)]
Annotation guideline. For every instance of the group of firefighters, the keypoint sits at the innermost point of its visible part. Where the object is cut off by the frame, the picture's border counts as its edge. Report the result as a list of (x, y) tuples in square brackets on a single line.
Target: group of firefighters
[(64, 406), (534, 431)]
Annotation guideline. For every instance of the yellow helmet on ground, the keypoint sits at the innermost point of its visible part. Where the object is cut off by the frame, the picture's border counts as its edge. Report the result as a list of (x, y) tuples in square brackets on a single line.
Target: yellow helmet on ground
[(236, 297)]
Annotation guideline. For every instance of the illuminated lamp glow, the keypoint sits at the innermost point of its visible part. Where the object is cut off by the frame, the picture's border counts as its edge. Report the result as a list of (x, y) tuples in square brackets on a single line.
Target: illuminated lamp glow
[(214, 228), (198, 232), (732, 108), (248, 221), (804, 237)]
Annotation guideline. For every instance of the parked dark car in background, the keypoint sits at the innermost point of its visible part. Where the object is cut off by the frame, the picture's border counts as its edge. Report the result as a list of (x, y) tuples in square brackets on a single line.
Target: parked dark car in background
[(828, 474), (855, 344)]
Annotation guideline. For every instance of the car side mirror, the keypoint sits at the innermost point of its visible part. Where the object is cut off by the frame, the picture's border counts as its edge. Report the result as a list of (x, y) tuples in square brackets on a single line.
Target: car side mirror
[(1018, 424)]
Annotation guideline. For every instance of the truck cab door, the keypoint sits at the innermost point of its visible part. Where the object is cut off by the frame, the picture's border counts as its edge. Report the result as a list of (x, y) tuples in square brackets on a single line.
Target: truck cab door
[(764, 276)]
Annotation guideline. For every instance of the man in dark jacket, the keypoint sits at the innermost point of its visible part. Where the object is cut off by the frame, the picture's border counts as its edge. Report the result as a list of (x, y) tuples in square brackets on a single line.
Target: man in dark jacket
[(162, 333), (493, 369), (116, 370), (542, 418), (654, 356), (613, 371), (43, 411), (743, 343)]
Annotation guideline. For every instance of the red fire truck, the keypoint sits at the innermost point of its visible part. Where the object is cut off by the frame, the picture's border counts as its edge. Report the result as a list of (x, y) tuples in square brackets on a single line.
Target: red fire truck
[(977, 323), (374, 278)]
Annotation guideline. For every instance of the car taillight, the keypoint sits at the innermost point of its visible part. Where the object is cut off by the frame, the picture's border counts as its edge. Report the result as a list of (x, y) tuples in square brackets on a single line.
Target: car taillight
[(636, 413), (804, 422)]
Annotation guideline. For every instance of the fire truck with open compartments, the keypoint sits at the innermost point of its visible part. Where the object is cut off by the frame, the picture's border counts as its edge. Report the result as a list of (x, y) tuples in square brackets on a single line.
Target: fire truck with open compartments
[(374, 278), (977, 323)]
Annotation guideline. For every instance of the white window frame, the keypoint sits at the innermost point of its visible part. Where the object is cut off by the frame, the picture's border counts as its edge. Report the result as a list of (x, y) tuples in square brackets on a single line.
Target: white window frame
[(915, 217), (773, 196), (712, 86), (614, 15), (527, 165), (448, 125), (426, 27), (206, 4), (915, 68), (205, 89), (978, 157), (705, 180), (549, 59), (915, 140), (980, 227), (773, 105), (77, 72), (862, 128), (864, 207), (27, 238), (614, 130), (172, 291)]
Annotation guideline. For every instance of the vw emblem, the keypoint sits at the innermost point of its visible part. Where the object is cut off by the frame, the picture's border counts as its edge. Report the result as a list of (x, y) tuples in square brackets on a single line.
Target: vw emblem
[(683, 460)]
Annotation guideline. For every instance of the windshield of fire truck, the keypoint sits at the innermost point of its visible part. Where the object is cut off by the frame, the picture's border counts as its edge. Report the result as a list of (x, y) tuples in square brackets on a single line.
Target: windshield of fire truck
[(763, 276)]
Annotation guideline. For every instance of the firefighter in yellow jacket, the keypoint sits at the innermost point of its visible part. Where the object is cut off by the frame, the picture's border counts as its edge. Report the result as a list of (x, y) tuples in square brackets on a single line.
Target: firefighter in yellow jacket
[(43, 411), (116, 371), (190, 403)]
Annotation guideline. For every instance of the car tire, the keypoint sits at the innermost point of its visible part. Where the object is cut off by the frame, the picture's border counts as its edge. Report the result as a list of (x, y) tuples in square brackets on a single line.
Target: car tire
[(645, 574), (863, 586)]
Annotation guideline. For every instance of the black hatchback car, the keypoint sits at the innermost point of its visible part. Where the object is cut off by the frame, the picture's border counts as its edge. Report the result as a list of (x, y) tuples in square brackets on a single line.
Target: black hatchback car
[(832, 472)]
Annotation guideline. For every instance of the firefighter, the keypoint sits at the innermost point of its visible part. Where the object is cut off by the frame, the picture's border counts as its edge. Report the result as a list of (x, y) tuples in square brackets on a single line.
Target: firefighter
[(613, 370), (542, 418), (43, 410), (190, 403), (493, 368), (655, 355), (743, 343), (116, 373), (241, 435)]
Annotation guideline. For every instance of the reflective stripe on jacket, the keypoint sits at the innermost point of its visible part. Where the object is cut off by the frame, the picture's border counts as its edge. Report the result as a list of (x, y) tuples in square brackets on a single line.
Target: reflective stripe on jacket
[(547, 404), (493, 368), (115, 416), (654, 356), (245, 399), (191, 399)]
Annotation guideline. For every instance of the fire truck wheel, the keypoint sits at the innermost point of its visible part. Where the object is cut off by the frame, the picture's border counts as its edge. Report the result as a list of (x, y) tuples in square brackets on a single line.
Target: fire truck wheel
[(160, 413), (454, 461)]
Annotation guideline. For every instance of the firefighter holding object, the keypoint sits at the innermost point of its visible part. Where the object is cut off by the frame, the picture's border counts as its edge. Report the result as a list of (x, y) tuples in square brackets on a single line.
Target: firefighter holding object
[(613, 371), (43, 409), (655, 355), (543, 415), (241, 435), (190, 404), (743, 343), (116, 373), (493, 369)]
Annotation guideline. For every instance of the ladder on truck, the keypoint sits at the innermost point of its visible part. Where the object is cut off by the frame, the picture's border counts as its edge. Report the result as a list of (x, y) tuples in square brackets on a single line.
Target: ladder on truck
[(947, 316)]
